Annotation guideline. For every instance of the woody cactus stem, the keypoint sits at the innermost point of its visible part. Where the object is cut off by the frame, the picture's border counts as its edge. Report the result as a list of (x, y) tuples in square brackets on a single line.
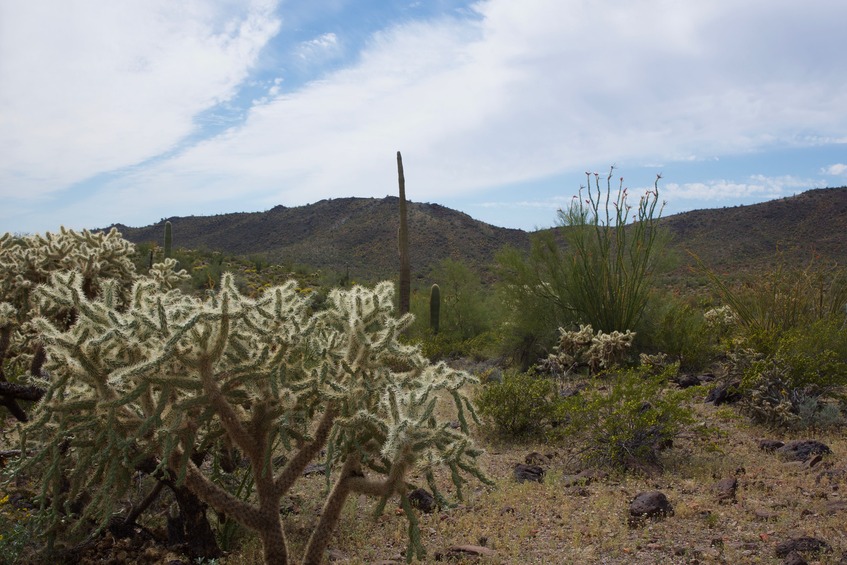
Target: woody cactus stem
[(169, 240), (403, 237), (168, 374), (434, 308)]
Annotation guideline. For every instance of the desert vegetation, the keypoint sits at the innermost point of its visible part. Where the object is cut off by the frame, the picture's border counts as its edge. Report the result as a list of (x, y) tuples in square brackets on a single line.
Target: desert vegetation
[(163, 404)]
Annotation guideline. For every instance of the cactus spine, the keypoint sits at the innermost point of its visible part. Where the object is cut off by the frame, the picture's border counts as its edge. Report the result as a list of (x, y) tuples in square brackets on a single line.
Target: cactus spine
[(403, 242), (434, 308), (169, 240)]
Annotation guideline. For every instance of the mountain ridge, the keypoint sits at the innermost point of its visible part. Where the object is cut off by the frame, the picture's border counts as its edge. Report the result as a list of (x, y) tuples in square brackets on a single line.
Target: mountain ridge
[(361, 234)]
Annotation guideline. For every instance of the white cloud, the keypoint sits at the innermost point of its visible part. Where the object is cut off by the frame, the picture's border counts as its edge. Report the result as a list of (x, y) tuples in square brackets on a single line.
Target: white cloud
[(521, 91), (758, 187), (88, 87), (836, 170), (320, 48)]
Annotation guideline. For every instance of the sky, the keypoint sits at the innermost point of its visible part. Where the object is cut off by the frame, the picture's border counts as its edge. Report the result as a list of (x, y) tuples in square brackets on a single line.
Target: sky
[(133, 111)]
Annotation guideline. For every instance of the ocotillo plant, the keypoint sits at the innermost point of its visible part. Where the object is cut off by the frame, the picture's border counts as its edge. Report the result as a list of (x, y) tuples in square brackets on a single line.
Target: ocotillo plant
[(169, 374), (169, 240), (403, 242), (434, 308)]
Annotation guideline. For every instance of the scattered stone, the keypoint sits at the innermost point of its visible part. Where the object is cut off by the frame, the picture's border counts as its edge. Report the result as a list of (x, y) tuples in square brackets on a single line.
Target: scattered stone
[(804, 544), (726, 393), (422, 500), (536, 458), (794, 558), (314, 469), (533, 473), (652, 504), (465, 552), (726, 490), (803, 450), (764, 515), (688, 381), (770, 445)]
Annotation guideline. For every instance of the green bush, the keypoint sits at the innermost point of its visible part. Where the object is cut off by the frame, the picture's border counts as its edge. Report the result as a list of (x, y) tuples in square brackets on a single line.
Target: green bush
[(522, 405), (802, 383), (680, 331), (625, 426)]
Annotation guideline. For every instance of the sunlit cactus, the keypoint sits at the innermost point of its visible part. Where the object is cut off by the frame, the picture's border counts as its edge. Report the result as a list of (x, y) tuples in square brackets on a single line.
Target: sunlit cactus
[(166, 375)]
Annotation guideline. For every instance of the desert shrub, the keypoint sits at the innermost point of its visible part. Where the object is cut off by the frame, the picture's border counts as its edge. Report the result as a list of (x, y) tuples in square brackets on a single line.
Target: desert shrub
[(681, 332), (801, 384), (521, 405), (625, 426), (603, 276), (612, 254), (783, 299)]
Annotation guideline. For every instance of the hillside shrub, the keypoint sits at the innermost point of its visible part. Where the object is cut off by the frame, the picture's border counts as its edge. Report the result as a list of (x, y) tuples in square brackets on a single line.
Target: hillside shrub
[(681, 332), (782, 299), (603, 276), (802, 383), (625, 426), (521, 405)]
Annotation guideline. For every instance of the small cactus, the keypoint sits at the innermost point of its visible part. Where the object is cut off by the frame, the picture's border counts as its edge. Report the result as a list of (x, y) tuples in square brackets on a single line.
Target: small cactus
[(434, 308)]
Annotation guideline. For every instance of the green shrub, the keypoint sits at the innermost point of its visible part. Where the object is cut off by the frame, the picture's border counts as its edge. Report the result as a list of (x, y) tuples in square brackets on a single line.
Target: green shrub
[(625, 426), (680, 331), (522, 405), (801, 384)]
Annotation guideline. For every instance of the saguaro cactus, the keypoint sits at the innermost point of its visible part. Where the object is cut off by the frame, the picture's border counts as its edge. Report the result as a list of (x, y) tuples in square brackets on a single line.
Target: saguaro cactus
[(167, 374), (169, 240), (403, 242), (434, 308)]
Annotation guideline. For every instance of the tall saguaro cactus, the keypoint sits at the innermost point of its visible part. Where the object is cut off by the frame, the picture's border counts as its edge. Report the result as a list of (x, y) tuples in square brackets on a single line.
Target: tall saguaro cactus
[(435, 308), (403, 242), (169, 240)]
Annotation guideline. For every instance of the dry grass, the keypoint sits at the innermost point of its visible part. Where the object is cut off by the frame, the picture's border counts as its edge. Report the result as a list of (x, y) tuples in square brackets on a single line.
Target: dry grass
[(554, 523)]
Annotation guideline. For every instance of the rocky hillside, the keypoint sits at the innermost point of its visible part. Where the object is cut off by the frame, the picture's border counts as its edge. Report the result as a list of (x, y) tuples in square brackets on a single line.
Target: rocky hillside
[(361, 233)]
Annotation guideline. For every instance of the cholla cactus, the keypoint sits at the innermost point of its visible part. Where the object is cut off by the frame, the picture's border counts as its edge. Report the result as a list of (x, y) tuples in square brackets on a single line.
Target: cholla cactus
[(167, 375), (721, 319), (585, 348), (28, 261)]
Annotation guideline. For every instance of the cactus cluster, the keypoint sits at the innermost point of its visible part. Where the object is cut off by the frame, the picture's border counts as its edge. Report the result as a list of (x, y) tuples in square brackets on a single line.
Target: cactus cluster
[(162, 378), (597, 351)]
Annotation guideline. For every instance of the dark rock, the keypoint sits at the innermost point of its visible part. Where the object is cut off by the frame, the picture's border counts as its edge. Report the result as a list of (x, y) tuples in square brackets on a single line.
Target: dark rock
[(533, 473), (794, 558), (536, 458), (652, 504), (803, 544), (770, 445), (803, 450), (687, 381), (314, 469), (422, 500), (726, 490), (726, 393)]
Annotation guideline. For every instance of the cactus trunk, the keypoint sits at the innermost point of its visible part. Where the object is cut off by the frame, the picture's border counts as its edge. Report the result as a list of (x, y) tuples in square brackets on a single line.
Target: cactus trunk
[(169, 240), (435, 308), (403, 237)]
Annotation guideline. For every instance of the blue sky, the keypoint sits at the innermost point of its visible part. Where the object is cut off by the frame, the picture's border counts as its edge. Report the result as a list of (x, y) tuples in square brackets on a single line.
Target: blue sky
[(132, 111)]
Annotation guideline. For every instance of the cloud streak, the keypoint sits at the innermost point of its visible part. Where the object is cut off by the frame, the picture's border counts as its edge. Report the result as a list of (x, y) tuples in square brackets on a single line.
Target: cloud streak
[(507, 94)]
